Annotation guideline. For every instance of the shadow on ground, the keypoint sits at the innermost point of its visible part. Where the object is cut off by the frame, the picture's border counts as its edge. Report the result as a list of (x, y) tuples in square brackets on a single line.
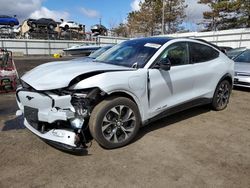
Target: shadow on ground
[(14, 124), (172, 119), (246, 89)]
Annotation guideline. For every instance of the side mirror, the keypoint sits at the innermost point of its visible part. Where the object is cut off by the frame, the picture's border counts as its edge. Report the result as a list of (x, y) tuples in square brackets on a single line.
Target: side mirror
[(164, 64)]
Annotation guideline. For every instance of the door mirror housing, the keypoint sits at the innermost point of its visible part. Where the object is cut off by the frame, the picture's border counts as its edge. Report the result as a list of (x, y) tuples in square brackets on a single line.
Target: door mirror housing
[(164, 64)]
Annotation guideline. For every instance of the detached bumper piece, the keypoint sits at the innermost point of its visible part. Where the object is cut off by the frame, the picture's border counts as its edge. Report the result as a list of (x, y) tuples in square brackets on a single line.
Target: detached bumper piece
[(59, 138)]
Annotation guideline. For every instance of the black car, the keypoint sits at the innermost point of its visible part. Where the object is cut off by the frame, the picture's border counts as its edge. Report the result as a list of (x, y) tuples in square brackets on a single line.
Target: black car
[(42, 22), (98, 30)]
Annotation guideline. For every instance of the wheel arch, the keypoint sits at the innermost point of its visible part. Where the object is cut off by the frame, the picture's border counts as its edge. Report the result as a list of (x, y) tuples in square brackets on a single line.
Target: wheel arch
[(227, 77), (129, 95)]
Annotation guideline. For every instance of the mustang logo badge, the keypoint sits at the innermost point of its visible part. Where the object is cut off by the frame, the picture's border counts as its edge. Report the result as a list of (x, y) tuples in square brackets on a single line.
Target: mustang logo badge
[(29, 98)]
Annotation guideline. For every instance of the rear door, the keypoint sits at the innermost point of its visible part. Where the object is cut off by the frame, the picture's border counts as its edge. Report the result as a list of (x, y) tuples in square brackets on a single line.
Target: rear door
[(172, 87), (206, 69)]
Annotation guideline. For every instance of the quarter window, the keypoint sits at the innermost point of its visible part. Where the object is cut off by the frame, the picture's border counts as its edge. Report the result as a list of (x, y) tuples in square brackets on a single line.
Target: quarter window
[(201, 53)]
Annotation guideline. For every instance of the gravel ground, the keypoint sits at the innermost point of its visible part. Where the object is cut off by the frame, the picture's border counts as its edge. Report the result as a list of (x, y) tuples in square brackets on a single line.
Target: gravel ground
[(194, 148)]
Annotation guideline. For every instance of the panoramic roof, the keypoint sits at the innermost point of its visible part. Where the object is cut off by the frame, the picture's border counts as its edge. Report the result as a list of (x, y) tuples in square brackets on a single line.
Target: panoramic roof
[(157, 40)]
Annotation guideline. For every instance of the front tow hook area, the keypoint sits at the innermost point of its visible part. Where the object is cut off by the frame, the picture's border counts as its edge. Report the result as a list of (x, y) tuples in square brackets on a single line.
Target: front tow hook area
[(80, 150)]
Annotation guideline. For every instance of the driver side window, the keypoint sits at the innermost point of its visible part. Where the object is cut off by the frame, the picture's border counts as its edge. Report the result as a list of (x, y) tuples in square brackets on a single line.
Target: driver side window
[(177, 54)]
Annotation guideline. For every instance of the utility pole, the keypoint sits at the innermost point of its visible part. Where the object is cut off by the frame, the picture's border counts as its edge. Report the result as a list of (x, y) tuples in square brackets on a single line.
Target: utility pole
[(163, 18), (100, 21)]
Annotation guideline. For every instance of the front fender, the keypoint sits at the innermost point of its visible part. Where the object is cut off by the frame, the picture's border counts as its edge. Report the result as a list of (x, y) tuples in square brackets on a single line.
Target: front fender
[(133, 83)]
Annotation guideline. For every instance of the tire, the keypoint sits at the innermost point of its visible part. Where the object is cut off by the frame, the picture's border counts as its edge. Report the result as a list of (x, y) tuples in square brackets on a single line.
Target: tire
[(66, 27), (51, 27), (12, 24), (221, 95), (114, 122), (33, 25)]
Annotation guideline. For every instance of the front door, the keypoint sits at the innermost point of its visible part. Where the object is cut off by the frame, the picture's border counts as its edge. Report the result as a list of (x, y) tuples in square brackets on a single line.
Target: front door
[(168, 88)]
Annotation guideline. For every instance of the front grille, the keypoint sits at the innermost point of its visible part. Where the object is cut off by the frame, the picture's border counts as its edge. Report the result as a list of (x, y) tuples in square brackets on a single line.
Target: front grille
[(236, 81), (242, 74), (31, 115)]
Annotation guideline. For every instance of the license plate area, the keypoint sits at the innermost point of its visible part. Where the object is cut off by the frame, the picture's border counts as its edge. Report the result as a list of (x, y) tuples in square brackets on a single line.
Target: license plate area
[(31, 115)]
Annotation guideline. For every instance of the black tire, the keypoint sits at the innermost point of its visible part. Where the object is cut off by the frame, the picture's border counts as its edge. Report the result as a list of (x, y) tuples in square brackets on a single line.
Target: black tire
[(33, 25), (51, 27), (221, 95), (66, 27), (117, 133), (12, 24)]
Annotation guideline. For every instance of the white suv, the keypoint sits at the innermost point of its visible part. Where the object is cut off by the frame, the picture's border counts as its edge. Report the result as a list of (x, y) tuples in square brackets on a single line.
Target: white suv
[(130, 85)]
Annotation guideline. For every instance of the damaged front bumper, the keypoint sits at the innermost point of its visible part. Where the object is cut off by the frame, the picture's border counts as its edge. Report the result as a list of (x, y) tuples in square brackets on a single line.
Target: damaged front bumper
[(48, 116)]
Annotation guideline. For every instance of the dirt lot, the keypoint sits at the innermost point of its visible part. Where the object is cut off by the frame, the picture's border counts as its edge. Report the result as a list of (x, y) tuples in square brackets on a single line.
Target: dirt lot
[(194, 148)]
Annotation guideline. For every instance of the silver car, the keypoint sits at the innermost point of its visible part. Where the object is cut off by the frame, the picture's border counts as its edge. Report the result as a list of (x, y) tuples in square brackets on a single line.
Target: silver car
[(242, 69), (130, 85)]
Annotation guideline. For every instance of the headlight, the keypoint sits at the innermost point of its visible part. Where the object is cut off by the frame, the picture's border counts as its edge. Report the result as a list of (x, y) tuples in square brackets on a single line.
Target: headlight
[(25, 85)]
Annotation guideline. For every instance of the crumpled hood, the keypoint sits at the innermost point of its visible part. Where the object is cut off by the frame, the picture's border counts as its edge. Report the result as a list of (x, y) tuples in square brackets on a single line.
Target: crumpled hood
[(56, 75)]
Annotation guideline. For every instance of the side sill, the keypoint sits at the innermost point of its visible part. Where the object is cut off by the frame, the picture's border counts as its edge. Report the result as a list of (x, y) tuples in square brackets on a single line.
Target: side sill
[(179, 108)]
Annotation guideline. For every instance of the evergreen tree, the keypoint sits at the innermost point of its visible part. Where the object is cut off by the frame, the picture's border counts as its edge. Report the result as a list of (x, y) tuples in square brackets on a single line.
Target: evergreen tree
[(148, 20), (226, 14)]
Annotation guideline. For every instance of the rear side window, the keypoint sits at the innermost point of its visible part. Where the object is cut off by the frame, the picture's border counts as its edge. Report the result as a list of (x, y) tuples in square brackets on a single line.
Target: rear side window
[(201, 53)]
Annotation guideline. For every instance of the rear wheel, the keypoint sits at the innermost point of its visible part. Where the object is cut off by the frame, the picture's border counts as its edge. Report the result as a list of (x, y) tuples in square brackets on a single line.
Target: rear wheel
[(221, 95), (114, 122)]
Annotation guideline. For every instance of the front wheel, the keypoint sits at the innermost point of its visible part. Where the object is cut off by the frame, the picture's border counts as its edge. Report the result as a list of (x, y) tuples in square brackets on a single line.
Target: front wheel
[(114, 122), (221, 95)]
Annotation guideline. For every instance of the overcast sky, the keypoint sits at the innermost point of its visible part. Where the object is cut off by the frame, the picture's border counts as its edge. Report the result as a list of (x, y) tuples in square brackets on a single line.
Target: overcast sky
[(88, 12)]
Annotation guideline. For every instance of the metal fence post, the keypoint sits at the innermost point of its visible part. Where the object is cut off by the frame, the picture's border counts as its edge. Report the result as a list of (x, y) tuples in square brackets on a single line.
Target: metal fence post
[(49, 45), (26, 47)]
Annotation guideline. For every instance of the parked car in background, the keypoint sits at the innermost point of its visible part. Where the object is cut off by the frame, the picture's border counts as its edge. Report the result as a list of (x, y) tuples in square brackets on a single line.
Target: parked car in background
[(42, 22), (242, 69), (133, 83), (82, 49), (7, 32), (98, 29), (94, 54), (8, 20), (235, 52), (225, 48), (70, 25)]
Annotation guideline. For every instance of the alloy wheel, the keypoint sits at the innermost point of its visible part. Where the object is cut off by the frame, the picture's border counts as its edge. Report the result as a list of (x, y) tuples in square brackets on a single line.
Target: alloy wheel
[(118, 124), (223, 94)]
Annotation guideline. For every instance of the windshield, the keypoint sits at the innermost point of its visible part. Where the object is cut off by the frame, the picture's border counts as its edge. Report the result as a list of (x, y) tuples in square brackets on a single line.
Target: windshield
[(243, 57), (131, 53), (235, 52)]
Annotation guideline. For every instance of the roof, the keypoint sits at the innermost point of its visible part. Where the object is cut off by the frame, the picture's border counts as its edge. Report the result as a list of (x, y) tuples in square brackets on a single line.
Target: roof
[(157, 40)]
